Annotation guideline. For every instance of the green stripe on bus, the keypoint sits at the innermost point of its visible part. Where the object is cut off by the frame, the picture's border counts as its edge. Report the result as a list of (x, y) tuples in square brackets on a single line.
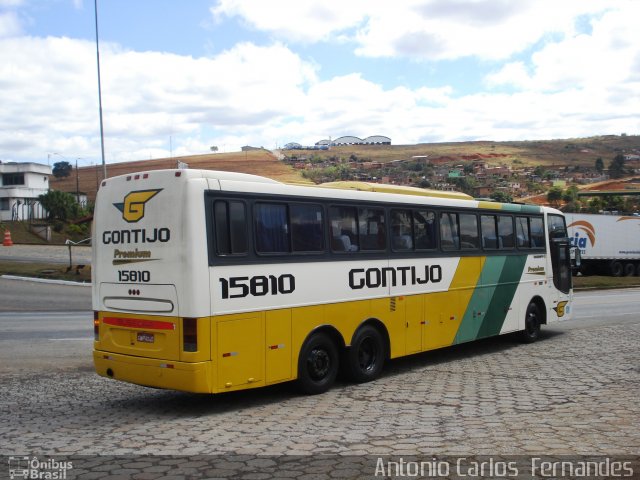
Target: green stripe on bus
[(503, 296), (480, 300), (511, 207), (492, 297)]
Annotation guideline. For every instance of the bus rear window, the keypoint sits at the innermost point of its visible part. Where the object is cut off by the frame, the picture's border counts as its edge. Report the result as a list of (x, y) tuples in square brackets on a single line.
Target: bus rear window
[(230, 220)]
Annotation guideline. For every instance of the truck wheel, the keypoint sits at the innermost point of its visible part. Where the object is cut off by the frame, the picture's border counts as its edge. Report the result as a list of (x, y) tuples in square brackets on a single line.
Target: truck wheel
[(616, 268), (629, 269), (638, 270)]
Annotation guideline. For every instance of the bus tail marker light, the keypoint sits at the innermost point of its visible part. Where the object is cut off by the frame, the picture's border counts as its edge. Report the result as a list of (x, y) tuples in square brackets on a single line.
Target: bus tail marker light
[(190, 334), (276, 347), (229, 354), (166, 365), (96, 326)]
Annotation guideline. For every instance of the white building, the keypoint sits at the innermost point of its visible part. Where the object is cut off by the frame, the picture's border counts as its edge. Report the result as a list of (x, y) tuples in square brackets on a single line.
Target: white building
[(20, 186)]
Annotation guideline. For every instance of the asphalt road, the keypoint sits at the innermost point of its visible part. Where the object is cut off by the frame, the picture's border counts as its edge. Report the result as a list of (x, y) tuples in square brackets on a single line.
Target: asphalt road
[(46, 254), (21, 296)]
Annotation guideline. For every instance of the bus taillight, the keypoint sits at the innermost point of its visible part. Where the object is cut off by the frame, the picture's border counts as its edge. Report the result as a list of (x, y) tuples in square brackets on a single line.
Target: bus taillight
[(96, 326), (190, 334)]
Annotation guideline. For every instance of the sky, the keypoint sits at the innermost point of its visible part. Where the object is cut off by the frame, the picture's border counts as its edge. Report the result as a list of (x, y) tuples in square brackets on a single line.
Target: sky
[(180, 77)]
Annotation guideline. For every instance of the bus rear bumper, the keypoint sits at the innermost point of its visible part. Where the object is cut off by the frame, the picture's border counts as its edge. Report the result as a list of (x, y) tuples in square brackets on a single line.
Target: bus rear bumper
[(196, 377)]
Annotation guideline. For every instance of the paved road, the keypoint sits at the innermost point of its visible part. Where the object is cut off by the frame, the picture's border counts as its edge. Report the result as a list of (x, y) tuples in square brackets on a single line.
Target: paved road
[(18, 295), (573, 392), (46, 254)]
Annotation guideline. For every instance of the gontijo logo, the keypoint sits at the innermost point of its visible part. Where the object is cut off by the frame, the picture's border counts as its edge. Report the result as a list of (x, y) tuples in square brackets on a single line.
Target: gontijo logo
[(589, 231), (133, 206)]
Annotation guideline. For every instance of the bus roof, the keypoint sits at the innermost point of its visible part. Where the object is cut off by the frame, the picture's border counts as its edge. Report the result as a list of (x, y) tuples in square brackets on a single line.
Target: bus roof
[(399, 189)]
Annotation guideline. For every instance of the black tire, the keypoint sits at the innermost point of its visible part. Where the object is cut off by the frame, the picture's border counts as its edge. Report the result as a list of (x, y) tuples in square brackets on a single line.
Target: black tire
[(318, 364), (616, 269), (638, 270), (629, 269), (532, 321), (366, 356)]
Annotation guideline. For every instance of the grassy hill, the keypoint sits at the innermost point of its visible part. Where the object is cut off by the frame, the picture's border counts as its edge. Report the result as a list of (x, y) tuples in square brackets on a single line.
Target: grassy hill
[(257, 162), (548, 153)]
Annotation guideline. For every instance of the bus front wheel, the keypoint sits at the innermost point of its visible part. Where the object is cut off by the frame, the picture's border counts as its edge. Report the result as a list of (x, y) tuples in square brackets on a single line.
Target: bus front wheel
[(365, 358), (532, 321), (318, 364)]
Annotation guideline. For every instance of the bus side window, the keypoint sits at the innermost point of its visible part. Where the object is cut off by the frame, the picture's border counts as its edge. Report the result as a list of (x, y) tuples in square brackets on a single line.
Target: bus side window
[(424, 227), (522, 232), (488, 227), (537, 232), (505, 231), (306, 228), (449, 236), (371, 229), (230, 220), (271, 228), (344, 229), (468, 231), (401, 230)]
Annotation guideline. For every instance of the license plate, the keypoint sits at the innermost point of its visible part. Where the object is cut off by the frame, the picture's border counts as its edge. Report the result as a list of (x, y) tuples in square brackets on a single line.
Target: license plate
[(145, 337)]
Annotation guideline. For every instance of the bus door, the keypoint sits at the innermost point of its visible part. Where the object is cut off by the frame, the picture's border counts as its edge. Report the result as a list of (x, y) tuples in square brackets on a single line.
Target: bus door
[(560, 250)]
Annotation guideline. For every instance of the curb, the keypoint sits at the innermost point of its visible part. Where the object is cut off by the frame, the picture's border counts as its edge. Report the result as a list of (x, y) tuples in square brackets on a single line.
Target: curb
[(47, 280)]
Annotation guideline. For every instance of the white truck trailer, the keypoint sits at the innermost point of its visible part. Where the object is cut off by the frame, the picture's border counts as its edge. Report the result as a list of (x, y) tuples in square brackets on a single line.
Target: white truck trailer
[(609, 244)]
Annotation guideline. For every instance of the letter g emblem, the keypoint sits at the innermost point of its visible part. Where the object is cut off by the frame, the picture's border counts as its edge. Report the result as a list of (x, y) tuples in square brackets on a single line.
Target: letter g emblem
[(133, 206)]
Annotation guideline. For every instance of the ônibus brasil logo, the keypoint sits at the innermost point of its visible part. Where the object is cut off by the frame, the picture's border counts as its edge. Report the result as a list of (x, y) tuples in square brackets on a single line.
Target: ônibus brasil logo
[(133, 206), (588, 230)]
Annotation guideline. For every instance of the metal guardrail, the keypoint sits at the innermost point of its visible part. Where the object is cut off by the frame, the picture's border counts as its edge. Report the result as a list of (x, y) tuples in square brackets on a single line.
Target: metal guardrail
[(71, 243)]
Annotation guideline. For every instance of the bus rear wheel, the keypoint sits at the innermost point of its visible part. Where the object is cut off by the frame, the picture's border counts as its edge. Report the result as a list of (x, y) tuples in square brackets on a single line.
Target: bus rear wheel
[(365, 358), (532, 322), (318, 364)]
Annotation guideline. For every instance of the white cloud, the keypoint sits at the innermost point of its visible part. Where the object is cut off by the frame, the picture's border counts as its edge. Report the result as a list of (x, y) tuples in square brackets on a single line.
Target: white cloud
[(602, 60), (306, 21), (423, 29), (10, 24), (49, 95)]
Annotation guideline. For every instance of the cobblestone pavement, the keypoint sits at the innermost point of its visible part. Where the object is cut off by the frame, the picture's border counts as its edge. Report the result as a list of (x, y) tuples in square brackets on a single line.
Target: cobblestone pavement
[(46, 253), (574, 392)]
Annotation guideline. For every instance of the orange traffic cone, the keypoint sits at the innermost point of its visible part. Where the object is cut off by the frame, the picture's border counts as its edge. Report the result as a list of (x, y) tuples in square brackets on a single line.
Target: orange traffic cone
[(7, 239)]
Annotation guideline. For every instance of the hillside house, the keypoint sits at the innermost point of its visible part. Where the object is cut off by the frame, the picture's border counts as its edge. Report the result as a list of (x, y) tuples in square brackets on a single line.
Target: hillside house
[(20, 186)]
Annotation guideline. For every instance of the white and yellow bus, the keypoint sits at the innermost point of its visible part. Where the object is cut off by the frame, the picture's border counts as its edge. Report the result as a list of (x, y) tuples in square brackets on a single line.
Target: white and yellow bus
[(210, 281)]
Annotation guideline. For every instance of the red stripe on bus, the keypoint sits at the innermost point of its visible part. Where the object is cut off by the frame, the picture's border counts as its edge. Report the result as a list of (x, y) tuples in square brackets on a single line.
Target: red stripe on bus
[(139, 323)]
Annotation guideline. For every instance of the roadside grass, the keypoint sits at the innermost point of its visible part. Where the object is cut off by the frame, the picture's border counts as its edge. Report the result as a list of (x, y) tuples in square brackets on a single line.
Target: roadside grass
[(56, 271), (602, 283)]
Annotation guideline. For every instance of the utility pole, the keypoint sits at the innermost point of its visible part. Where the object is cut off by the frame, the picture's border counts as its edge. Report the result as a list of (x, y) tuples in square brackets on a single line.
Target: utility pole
[(77, 183), (104, 165)]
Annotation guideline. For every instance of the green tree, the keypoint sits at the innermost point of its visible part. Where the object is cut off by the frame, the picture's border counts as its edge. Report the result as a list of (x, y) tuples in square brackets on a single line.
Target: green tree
[(59, 205), (554, 196), (616, 167), (500, 196), (465, 184), (570, 194), (595, 205), (599, 165), (61, 169), (539, 171)]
